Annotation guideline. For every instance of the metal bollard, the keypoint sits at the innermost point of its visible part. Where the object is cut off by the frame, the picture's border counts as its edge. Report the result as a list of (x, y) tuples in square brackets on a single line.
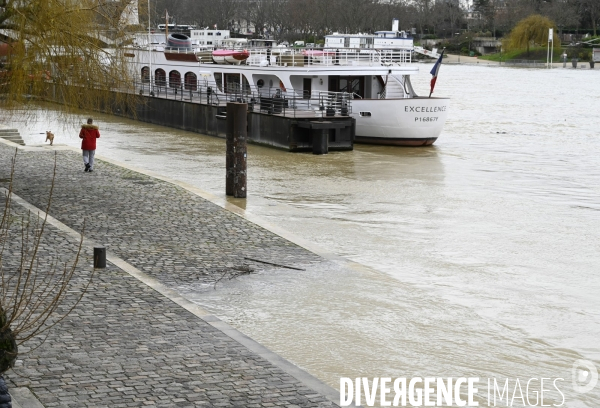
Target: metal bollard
[(99, 257)]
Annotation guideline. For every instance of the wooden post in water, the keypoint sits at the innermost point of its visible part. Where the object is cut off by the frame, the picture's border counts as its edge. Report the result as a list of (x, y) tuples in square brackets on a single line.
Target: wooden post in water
[(229, 151), (236, 154)]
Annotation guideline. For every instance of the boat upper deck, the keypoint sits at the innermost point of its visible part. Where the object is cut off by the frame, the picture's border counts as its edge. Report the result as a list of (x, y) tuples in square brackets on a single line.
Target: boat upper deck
[(303, 59)]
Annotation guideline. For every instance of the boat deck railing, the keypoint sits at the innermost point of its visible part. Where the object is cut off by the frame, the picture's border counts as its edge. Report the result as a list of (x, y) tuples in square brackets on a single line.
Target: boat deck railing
[(302, 57), (273, 101), (318, 57)]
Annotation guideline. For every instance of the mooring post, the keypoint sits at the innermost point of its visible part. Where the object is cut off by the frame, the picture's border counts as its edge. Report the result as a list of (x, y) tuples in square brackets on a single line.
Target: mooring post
[(99, 257), (240, 151), (229, 170), (320, 141), (236, 151)]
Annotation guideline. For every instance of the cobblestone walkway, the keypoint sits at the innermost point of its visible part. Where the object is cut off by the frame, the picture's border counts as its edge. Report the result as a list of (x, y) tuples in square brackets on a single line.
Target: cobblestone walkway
[(126, 345)]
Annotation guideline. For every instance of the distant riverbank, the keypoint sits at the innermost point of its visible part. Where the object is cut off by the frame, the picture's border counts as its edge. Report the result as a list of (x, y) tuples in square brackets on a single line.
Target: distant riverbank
[(462, 59)]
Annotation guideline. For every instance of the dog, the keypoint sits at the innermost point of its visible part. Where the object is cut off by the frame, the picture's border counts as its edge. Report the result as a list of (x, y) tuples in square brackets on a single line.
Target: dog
[(50, 137)]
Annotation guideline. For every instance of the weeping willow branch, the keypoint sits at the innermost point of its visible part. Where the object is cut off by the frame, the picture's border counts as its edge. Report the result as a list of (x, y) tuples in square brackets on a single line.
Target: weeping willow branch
[(66, 51)]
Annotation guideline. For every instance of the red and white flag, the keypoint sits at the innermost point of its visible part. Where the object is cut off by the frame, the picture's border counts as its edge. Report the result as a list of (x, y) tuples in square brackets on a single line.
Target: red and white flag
[(435, 70)]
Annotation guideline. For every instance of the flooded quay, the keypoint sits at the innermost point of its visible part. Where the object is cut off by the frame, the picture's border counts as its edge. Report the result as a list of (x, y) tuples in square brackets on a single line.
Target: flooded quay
[(477, 257)]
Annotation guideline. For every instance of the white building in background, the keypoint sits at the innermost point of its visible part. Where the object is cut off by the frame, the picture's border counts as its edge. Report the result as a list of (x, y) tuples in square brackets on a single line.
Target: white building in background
[(386, 40), (209, 38)]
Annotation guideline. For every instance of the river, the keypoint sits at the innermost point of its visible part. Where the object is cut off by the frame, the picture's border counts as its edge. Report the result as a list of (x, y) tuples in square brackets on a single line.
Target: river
[(481, 253)]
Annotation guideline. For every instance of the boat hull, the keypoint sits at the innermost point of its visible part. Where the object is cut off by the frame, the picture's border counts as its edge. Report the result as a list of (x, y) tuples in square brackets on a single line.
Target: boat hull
[(400, 122)]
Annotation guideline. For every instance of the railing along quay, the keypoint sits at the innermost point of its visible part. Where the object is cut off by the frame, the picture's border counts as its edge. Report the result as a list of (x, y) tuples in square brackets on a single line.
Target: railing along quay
[(272, 101)]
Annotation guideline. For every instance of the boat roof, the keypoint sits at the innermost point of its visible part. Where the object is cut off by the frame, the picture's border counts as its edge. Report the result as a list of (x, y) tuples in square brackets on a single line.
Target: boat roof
[(349, 35), (358, 70), (235, 40)]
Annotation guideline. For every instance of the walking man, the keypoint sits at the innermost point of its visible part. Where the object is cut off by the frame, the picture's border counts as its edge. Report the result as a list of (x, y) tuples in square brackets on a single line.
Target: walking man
[(89, 133)]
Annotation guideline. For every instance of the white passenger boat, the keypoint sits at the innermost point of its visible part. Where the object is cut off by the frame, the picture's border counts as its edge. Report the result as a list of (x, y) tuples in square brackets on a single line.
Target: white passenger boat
[(386, 107)]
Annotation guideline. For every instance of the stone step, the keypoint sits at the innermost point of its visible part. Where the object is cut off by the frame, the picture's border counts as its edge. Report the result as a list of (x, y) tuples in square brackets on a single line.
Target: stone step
[(21, 142), (12, 135)]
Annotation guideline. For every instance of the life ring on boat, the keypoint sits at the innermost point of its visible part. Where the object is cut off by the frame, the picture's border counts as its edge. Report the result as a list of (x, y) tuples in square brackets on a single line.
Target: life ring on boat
[(281, 86)]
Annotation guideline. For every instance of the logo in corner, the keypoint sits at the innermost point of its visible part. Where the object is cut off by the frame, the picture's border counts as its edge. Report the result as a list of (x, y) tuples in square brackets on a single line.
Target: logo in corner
[(584, 375)]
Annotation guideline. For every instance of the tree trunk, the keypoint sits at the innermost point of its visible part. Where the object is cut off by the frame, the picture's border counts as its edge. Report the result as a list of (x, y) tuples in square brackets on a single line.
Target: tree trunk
[(8, 345), (8, 350)]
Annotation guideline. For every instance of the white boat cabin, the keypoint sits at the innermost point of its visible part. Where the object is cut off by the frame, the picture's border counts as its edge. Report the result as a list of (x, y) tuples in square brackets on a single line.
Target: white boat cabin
[(382, 40), (209, 38)]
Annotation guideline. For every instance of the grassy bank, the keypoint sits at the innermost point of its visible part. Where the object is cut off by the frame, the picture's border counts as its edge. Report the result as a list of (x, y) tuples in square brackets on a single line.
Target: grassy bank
[(537, 53)]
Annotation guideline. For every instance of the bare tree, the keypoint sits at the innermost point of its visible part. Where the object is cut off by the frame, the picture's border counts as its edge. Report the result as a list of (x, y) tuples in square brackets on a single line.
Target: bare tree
[(590, 10), (563, 12), (354, 15), (259, 15), (35, 295), (323, 17), (422, 13)]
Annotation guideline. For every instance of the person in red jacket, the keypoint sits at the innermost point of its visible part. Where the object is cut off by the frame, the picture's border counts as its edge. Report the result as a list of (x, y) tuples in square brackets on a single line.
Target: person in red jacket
[(89, 133)]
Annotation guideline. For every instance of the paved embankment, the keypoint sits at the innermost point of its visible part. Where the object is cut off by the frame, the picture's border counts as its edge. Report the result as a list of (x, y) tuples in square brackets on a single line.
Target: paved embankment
[(132, 340)]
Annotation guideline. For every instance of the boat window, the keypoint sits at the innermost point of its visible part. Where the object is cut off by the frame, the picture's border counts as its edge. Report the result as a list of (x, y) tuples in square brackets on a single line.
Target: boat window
[(191, 81), (145, 74), (246, 85), (367, 114), (350, 84), (232, 83), (160, 77), (174, 79)]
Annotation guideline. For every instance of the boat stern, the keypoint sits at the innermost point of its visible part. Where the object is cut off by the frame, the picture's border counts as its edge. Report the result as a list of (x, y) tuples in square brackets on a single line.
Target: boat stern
[(403, 122)]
